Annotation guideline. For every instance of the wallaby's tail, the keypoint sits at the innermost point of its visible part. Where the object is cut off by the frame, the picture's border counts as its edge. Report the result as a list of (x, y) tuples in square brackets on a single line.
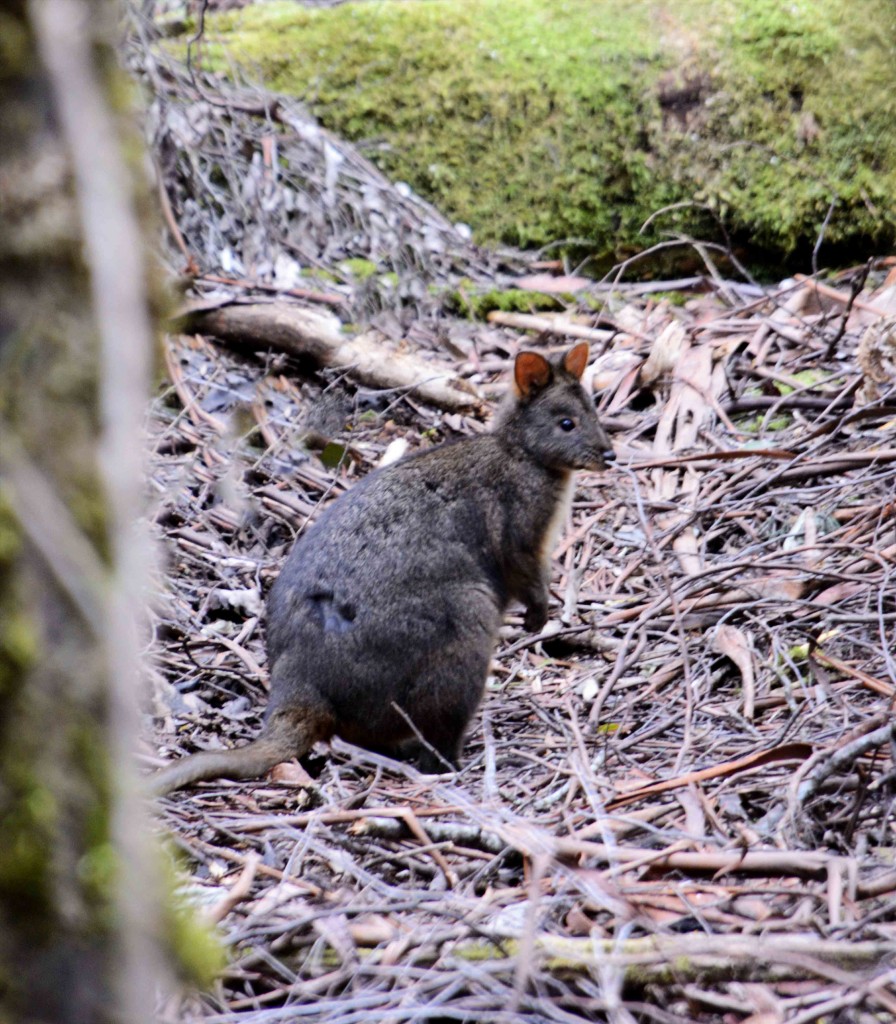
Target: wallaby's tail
[(282, 739), (247, 762)]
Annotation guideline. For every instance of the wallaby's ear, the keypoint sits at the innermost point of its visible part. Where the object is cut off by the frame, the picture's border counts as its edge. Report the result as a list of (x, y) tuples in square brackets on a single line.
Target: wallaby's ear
[(576, 359), (531, 372)]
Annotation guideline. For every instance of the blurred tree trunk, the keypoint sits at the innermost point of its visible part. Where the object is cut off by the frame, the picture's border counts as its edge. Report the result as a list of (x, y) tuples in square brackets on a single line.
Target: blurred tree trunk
[(77, 917)]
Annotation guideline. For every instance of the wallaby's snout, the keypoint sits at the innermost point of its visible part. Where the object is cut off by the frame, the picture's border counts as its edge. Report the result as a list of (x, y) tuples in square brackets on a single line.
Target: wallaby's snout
[(603, 458), (605, 454), (596, 444)]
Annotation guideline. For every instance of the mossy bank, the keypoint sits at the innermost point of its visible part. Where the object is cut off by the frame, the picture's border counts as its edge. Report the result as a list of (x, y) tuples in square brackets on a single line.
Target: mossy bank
[(542, 120)]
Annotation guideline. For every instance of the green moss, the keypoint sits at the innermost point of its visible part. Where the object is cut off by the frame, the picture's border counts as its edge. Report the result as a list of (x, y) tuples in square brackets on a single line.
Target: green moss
[(14, 46), (98, 866), (195, 946), (316, 274), (87, 503), (673, 298), (201, 955), (333, 455), (18, 640), (779, 423), (756, 423), (536, 122), (18, 643), (33, 813), (28, 822), (806, 378), (358, 268), (97, 872), (477, 305)]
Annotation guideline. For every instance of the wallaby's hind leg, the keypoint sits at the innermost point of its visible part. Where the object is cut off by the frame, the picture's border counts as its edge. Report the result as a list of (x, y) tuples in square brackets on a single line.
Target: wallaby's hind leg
[(438, 748), (445, 698)]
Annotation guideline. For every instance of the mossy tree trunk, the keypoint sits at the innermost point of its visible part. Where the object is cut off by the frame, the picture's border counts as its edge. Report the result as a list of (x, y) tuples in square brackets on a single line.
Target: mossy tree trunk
[(76, 907)]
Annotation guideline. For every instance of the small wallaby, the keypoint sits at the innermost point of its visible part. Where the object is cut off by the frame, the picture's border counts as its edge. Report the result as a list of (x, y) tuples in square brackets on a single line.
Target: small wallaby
[(381, 625)]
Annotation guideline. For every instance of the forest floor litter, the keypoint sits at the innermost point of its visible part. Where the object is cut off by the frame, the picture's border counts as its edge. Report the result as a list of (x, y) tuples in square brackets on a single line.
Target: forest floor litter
[(677, 801)]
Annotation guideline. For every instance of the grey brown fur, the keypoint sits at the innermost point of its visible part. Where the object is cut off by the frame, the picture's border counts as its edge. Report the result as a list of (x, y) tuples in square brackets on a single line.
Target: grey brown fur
[(387, 609)]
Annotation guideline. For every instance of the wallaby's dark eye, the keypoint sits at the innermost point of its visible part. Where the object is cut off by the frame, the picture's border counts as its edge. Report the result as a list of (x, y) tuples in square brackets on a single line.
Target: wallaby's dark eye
[(567, 424)]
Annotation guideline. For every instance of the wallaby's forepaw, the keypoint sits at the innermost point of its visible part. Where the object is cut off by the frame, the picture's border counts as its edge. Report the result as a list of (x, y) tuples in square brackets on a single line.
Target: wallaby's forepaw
[(536, 616)]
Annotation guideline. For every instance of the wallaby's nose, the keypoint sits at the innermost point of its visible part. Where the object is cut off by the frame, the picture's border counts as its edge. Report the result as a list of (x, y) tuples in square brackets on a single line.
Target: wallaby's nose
[(609, 455)]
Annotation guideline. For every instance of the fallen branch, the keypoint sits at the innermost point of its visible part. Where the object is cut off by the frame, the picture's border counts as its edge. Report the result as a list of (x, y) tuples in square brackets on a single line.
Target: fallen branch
[(843, 758), (327, 298), (830, 465), (496, 838), (786, 753), (660, 959), (839, 296), (237, 893), (674, 960), (552, 325), (318, 336), (707, 460), (875, 685)]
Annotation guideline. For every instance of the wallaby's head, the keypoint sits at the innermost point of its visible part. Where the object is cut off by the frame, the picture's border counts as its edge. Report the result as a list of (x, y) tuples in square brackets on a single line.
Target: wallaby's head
[(551, 416)]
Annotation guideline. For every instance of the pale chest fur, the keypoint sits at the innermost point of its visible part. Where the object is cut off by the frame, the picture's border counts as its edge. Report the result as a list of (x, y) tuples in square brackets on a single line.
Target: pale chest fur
[(558, 518)]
